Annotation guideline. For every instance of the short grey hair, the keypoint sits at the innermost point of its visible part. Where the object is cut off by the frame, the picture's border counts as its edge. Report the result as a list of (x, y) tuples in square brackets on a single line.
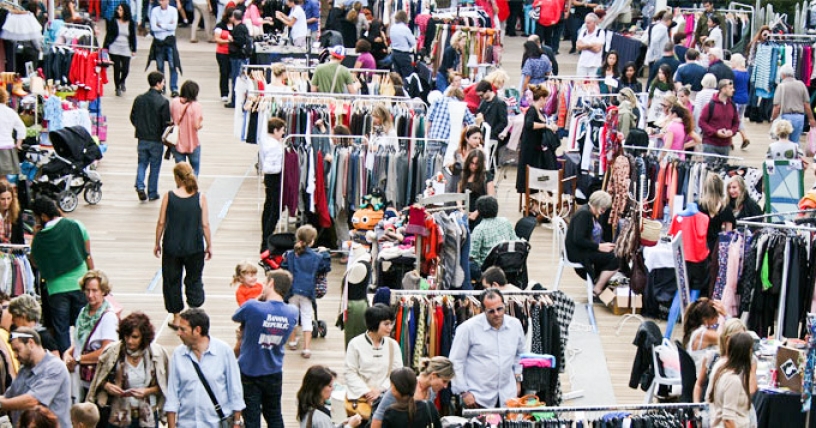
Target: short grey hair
[(709, 81), (534, 38), (737, 61), (601, 200), (593, 17), (786, 71), (25, 306), (716, 53)]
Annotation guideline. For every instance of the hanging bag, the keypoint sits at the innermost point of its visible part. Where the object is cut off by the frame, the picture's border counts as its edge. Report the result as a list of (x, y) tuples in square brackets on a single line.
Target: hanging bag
[(225, 421), (360, 406)]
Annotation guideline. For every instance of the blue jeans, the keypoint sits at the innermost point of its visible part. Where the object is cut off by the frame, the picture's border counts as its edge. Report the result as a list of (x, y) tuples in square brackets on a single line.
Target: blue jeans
[(798, 122), (193, 158), (235, 71), (64, 308), (431, 149), (165, 53), (262, 394), (150, 154)]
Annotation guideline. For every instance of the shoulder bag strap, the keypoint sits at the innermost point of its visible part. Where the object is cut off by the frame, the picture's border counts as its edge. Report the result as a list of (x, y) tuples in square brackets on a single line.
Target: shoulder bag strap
[(334, 79), (184, 113), (88, 340), (209, 390)]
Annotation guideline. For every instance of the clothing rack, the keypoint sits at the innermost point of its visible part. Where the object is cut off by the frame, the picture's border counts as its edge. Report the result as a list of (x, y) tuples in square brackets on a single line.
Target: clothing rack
[(461, 201), (467, 292), (729, 10), (685, 152), (791, 37), (560, 77), (83, 30), (468, 413), (318, 96), (11, 4), (644, 194)]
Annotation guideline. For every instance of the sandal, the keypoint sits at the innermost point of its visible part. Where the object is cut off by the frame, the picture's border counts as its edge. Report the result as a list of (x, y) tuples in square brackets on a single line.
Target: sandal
[(306, 353), (294, 345), (172, 326)]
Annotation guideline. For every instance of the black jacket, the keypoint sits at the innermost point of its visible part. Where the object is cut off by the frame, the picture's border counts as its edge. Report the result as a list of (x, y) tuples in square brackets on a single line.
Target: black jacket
[(648, 336), (169, 41), (722, 71), (150, 115), (240, 38), (495, 114), (112, 32)]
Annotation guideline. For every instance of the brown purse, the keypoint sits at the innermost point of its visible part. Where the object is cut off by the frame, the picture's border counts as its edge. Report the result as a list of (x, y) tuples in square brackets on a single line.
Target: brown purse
[(361, 406)]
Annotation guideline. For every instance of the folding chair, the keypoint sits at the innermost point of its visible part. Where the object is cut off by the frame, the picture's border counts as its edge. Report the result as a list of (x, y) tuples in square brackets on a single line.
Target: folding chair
[(544, 193), (560, 236)]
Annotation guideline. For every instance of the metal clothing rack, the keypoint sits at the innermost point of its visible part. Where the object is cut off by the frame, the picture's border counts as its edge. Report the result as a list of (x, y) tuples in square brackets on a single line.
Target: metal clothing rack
[(468, 292), (685, 152), (468, 413), (791, 37), (642, 199), (461, 201)]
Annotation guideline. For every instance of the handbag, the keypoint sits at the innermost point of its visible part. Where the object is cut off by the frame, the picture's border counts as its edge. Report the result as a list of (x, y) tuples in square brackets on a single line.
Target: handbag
[(170, 134), (527, 401), (361, 406), (87, 371), (225, 421), (321, 285)]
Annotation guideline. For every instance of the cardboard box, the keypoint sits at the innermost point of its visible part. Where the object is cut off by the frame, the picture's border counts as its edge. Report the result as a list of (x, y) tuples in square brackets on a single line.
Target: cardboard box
[(607, 297), (789, 368), (623, 299), (619, 310)]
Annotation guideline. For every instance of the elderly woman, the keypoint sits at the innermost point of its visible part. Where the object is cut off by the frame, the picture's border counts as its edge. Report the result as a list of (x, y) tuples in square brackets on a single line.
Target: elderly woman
[(94, 330), (584, 241), (372, 356), (131, 376), (26, 311), (709, 83), (783, 148)]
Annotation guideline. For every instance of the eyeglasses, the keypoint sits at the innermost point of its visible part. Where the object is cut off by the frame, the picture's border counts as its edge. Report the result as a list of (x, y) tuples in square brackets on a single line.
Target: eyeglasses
[(498, 310)]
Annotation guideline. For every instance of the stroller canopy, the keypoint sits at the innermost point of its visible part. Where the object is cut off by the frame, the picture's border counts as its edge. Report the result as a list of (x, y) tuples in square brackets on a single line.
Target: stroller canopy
[(75, 144)]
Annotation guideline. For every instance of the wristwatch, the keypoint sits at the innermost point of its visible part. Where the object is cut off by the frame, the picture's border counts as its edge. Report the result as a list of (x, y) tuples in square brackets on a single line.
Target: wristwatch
[(519, 378)]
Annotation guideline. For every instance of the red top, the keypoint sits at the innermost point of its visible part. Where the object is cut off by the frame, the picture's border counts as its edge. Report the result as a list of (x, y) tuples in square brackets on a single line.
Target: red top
[(472, 98), (244, 293), (695, 230), (223, 48)]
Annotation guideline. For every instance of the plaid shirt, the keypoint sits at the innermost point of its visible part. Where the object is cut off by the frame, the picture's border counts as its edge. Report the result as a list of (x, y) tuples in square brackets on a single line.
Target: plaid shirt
[(439, 116), (487, 234)]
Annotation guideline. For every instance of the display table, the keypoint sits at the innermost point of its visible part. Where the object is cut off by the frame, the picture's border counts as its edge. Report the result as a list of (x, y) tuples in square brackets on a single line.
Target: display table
[(773, 408), (266, 54)]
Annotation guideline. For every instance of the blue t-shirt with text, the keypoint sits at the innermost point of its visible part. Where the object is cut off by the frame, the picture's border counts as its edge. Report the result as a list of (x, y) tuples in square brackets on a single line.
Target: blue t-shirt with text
[(267, 326)]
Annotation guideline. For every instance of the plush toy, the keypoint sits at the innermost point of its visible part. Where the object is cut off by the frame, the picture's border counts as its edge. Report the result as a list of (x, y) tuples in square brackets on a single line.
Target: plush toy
[(366, 218), (374, 200)]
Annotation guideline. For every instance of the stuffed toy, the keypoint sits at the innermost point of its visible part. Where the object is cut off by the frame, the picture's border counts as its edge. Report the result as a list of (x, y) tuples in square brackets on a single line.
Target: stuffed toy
[(366, 219)]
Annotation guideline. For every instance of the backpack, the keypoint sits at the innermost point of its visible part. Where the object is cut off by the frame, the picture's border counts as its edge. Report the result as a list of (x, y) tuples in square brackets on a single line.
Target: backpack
[(248, 48), (711, 108)]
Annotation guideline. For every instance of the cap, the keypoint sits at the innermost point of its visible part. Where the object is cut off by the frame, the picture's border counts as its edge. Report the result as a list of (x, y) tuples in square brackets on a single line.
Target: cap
[(338, 52), (723, 83)]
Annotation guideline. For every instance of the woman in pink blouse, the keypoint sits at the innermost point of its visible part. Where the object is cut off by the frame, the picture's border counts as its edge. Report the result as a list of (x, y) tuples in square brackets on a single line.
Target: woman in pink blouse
[(186, 113)]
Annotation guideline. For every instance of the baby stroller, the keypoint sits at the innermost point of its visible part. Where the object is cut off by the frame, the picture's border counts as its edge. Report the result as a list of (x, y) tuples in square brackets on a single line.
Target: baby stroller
[(65, 171), (277, 245)]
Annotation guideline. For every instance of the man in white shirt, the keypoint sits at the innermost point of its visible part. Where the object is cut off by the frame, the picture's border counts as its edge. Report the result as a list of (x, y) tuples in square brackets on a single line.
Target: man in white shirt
[(658, 37), (715, 34), (591, 42), (296, 21), (163, 23)]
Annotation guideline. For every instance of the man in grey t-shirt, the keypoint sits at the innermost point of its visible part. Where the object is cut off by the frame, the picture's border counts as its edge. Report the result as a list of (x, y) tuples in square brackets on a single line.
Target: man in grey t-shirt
[(42, 379)]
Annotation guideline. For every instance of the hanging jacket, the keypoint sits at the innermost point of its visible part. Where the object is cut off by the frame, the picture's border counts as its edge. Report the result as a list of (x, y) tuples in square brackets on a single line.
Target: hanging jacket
[(647, 336)]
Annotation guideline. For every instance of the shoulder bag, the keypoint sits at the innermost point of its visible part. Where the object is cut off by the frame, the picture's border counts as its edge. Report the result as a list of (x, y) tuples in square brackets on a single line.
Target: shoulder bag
[(170, 134), (360, 406), (225, 421), (87, 371)]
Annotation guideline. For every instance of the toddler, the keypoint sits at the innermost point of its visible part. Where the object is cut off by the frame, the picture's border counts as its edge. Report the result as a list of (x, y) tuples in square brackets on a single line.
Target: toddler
[(246, 278)]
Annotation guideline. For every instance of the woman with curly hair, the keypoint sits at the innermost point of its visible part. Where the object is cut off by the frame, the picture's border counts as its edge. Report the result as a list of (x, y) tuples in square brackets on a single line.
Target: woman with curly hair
[(131, 376)]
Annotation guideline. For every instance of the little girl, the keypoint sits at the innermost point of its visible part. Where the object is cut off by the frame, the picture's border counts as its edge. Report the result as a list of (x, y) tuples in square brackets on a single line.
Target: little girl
[(304, 264), (246, 278)]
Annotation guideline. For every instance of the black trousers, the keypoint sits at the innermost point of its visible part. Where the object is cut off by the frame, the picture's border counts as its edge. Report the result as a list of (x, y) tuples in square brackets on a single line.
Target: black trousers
[(121, 69), (224, 68), (172, 269), (402, 63), (516, 13), (262, 395), (271, 211)]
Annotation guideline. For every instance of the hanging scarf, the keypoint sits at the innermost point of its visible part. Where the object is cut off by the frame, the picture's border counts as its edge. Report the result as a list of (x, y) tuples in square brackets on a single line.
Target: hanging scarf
[(121, 406), (85, 322)]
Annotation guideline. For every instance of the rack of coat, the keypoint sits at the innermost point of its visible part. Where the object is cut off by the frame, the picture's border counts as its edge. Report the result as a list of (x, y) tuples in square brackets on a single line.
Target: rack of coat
[(615, 416), (426, 25), (482, 46), (799, 51), (737, 29), (778, 271), (16, 273), (77, 67), (545, 317)]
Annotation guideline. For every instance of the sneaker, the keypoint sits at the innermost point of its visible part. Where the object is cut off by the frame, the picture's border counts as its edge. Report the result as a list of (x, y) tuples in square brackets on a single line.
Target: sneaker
[(118, 92), (174, 94), (122, 88), (154, 198), (745, 143), (142, 194), (306, 354), (230, 105), (573, 51), (224, 99)]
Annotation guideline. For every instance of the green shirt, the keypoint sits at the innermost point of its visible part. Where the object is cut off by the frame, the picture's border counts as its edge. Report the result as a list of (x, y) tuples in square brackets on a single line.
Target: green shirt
[(324, 75), (487, 234), (68, 281)]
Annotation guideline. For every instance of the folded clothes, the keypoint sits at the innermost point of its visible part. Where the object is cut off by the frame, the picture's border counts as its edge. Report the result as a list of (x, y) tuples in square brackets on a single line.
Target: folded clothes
[(546, 364)]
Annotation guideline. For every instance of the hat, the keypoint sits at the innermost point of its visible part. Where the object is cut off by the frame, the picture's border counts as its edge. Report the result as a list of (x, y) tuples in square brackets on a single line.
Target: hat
[(416, 221), (338, 52)]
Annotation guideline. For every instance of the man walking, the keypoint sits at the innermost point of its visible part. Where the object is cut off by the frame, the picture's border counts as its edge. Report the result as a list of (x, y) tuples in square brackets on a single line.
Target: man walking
[(717, 67), (485, 353), (333, 77), (42, 379), (163, 23), (202, 10), (202, 360), (719, 120), (492, 110), (266, 323), (239, 40), (61, 250), (792, 101), (150, 115)]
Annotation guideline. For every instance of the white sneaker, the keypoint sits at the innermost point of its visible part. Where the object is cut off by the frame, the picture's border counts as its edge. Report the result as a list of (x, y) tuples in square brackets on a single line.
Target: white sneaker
[(225, 99)]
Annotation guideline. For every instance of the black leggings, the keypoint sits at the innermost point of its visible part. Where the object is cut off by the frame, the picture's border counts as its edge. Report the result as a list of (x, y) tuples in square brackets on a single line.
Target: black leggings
[(223, 73), (121, 68)]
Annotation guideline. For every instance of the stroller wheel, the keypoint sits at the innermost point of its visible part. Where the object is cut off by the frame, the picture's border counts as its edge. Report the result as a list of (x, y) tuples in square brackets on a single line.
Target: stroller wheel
[(93, 194), (321, 325), (67, 200), (315, 329)]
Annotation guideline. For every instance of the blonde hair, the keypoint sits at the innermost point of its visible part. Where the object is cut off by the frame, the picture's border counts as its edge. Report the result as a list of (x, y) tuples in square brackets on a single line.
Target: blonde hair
[(3, 95), (712, 199), (782, 128), (85, 413), (382, 112), (441, 366), (242, 268), (455, 93), (104, 285), (731, 327), (628, 95), (743, 190), (457, 36), (737, 61), (278, 69), (185, 177), (305, 237), (709, 81), (497, 78)]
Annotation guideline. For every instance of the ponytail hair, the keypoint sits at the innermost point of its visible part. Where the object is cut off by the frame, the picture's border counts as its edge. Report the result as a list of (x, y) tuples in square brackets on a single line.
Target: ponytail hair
[(441, 366), (352, 15), (242, 268), (305, 236), (185, 177), (696, 314), (404, 381)]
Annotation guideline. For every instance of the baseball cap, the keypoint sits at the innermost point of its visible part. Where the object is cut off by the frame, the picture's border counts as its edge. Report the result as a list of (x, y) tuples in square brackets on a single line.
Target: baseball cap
[(338, 52)]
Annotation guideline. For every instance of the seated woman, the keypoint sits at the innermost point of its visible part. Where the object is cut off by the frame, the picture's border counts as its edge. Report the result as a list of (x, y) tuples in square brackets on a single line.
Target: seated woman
[(131, 376), (491, 230), (434, 375), (700, 324), (739, 201), (730, 328), (478, 180), (583, 241), (372, 356)]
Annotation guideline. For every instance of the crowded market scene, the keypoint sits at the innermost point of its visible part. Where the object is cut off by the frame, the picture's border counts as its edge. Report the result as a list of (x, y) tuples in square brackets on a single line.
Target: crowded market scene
[(388, 213)]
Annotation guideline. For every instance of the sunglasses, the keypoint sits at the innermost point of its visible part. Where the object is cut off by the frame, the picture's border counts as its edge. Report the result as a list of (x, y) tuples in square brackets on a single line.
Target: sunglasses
[(498, 310)]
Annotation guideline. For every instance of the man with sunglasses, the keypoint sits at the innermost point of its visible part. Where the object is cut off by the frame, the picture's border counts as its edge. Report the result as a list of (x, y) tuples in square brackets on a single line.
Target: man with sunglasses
[(485, 353)]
